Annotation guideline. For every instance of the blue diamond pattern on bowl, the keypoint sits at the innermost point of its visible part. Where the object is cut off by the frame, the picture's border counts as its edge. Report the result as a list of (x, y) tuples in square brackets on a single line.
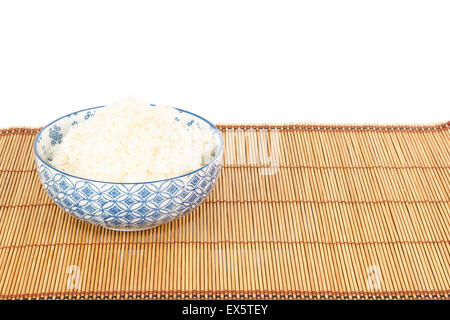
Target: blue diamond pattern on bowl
[(129, 201), (114, 193), (172, 189), (87, 191), (144, 193)]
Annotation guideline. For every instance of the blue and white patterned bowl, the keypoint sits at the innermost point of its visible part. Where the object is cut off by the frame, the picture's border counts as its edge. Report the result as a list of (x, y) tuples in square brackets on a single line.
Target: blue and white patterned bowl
[(123, 206)]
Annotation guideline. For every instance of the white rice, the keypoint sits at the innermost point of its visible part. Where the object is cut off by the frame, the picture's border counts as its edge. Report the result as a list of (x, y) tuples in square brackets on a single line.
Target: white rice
[(129, 141)]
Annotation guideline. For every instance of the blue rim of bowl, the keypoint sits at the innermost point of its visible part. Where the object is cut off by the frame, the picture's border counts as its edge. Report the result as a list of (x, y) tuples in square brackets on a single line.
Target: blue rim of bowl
[(219, 153)]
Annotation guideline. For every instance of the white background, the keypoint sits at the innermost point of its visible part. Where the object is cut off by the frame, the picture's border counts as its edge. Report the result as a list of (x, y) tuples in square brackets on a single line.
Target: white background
[(229, 61)]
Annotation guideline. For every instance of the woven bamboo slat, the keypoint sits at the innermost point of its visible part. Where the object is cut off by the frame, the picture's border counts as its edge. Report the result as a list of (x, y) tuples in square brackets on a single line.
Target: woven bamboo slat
[(299, 212)]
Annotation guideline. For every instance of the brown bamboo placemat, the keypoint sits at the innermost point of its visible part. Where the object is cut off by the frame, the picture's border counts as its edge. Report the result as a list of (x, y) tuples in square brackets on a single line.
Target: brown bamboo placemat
[(344, 212)]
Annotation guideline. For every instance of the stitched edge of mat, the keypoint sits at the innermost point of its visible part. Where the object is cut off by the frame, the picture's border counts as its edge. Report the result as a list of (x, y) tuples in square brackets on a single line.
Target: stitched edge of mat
[(292, 127), (232, 294)]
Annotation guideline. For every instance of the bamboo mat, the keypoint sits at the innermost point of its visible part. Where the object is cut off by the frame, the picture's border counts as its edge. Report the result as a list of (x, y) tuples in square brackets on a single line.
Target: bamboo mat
[(329, 212)]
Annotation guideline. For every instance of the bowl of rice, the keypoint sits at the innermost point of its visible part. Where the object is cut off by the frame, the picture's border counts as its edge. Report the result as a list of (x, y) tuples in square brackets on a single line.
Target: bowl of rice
[(129, 165)]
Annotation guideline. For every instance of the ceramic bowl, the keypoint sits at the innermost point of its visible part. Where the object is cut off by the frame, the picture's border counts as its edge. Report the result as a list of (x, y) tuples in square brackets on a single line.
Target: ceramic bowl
[(123, 206)]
